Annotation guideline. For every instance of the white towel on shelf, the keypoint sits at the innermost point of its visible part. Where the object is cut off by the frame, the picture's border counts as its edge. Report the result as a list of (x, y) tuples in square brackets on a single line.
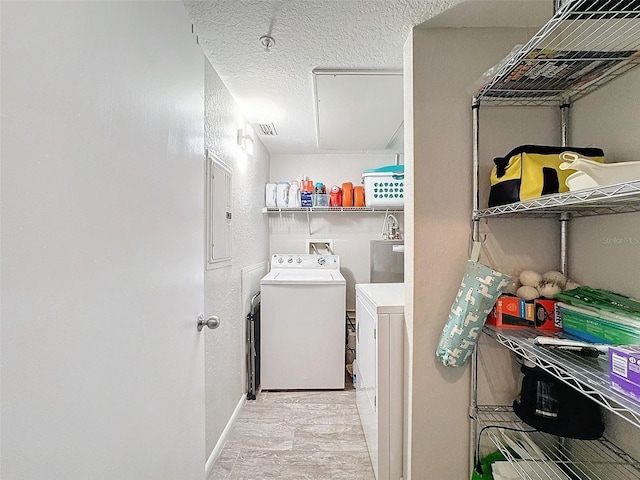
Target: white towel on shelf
[(531, 468)]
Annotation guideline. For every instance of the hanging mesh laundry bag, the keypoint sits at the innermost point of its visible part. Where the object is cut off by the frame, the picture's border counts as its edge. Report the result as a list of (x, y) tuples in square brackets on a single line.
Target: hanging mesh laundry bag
[(480, 288)]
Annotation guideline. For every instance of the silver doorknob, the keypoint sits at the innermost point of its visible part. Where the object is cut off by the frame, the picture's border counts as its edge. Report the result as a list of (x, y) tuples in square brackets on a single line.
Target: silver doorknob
[(211, 322)]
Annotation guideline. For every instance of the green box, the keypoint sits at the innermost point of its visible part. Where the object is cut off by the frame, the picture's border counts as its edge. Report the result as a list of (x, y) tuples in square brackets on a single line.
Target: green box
[(594, 329)]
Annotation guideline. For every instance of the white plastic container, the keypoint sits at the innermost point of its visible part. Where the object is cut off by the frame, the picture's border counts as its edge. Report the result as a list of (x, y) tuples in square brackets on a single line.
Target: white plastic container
[(270, 195), (282, 198), (384, 186), (592, 174), (294, 194)]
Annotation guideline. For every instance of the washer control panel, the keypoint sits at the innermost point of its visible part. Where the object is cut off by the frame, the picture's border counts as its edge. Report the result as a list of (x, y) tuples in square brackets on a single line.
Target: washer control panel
[(305, 261)]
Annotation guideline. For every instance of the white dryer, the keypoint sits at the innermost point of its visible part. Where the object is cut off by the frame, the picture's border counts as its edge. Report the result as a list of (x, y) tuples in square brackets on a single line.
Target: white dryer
[(302, 328)]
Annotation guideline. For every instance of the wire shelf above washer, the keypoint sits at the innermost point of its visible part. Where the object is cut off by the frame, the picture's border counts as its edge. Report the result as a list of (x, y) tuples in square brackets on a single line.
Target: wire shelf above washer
[(586, 44), (332, 209)]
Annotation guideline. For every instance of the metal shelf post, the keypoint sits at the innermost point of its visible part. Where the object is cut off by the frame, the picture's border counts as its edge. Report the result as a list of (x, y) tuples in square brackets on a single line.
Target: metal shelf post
[(475, 110), (564, 119), (564, 242)]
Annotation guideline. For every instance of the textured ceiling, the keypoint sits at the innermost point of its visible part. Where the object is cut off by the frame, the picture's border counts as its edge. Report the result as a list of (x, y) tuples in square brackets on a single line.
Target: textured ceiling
[(277, 86)]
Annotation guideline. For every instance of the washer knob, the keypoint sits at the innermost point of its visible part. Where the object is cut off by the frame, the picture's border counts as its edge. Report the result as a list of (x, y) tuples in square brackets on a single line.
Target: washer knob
[(322, 260), (289, 260), (280, 260), (298, 260)]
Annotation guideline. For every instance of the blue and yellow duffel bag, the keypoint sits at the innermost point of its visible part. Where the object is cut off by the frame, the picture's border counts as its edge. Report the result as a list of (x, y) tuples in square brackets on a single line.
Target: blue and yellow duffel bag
[(530, 171)]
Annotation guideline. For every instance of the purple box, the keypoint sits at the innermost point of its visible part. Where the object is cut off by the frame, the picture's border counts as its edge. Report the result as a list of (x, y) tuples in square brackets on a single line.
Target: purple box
[(624, 370)]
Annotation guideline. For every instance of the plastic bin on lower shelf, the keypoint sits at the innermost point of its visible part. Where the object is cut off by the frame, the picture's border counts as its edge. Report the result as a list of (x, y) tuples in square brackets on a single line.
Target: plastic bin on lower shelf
[(557, 458)]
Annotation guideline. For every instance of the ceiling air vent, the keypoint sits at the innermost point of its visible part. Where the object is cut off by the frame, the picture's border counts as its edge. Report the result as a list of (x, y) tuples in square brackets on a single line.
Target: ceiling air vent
[(267, 129)]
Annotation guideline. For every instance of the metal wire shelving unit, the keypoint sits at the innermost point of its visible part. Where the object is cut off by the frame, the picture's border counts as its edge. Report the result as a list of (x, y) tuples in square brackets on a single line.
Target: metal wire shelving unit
[(563, 458), (586, 44)]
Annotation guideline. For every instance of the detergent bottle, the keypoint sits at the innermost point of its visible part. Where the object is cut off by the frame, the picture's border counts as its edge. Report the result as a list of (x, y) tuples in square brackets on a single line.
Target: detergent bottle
[(282, 190), (347, 194), (306, 193), (335, 198), (294, 194)]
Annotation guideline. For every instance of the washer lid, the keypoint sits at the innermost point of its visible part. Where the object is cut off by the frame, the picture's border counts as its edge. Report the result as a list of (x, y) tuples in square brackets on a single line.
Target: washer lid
[(299, 276)]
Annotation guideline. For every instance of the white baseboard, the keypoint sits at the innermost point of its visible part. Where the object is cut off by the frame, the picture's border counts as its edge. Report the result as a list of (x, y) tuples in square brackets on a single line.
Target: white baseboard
[(217, 450)]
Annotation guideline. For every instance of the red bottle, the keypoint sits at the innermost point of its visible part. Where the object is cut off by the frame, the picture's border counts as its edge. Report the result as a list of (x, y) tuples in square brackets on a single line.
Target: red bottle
[(335, 198)]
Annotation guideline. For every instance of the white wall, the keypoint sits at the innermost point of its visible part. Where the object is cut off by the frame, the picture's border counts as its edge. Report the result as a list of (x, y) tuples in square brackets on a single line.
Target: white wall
[(446, 63), (605, 251), (225, 347), (351, 231)]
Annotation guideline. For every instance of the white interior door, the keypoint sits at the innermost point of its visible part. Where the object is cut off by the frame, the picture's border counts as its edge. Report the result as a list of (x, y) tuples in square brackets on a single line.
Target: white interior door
[(102, 242)]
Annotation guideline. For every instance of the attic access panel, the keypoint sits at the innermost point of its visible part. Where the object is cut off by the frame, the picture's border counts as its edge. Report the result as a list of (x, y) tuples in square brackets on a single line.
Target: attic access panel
[(357, 110)]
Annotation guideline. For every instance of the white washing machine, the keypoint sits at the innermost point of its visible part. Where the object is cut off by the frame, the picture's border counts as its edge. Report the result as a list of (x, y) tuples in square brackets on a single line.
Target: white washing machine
[(302, 327)]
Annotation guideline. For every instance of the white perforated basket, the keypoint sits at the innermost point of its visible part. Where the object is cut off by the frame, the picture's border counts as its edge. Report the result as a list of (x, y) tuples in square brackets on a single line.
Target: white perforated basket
[(383, 189)]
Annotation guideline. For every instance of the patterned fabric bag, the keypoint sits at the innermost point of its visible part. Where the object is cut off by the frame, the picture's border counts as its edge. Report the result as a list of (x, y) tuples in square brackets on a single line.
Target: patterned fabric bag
[(480, 288)]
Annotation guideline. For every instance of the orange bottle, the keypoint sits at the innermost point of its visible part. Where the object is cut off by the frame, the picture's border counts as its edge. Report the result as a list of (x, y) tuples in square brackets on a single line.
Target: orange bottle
[(358, 196), (347, 194)]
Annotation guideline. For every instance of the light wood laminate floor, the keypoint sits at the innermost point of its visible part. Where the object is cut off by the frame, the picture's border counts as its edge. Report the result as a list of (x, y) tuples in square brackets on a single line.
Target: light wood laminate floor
[(296, 435)]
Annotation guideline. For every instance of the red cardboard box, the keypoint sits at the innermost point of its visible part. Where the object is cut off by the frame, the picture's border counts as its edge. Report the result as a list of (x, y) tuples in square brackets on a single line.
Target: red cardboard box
[(546, 315), (511, 311)]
